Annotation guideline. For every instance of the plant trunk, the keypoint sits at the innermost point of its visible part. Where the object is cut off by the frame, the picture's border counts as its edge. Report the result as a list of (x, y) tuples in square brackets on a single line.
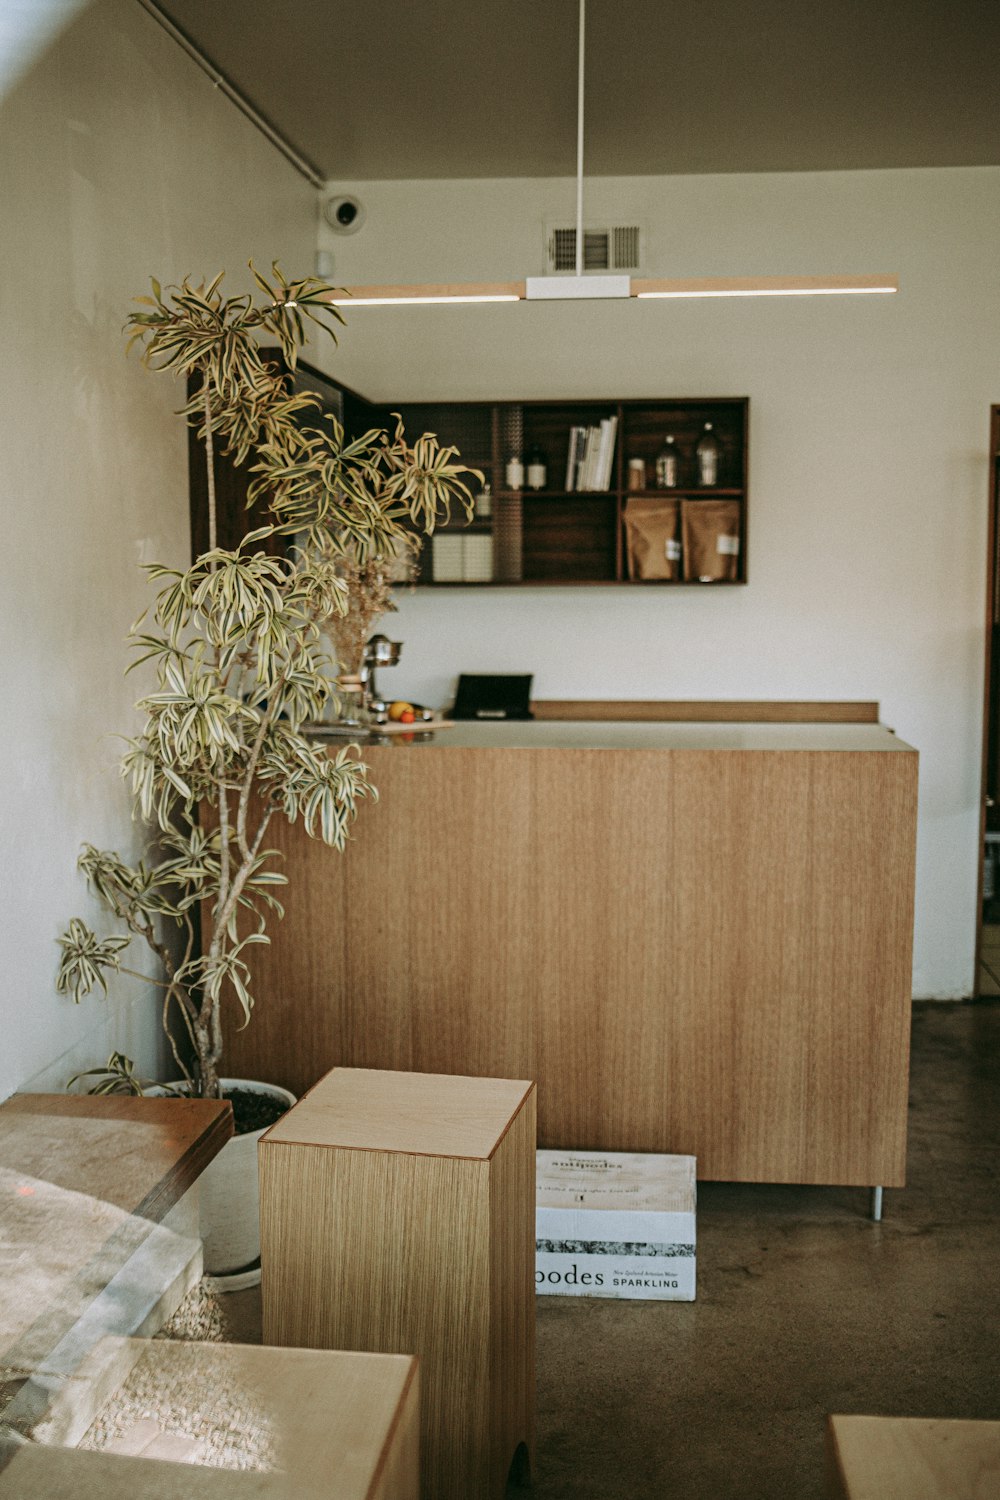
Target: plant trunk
[(208, 1070), (211, 1088), (213, 529), (209, 1037)]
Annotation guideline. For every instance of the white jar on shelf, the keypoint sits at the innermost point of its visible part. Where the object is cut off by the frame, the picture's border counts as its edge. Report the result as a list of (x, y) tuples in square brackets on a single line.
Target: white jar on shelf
[(514, 472)]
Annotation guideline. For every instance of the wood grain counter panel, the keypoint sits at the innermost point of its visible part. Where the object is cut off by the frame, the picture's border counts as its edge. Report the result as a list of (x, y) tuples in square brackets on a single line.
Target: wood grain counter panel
[(697, 951)]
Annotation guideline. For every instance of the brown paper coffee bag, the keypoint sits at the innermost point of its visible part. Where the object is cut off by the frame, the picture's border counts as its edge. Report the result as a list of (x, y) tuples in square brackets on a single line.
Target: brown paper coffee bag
[(710, 533), (652, 542)]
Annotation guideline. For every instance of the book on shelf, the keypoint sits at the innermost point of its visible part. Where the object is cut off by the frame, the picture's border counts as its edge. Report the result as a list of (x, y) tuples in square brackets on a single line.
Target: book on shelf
[(606, 453), (574, 450), (590, 456)]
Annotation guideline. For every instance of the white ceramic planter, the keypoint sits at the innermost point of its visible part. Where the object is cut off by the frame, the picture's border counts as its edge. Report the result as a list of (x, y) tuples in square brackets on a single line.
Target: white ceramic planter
[(230, 1198)]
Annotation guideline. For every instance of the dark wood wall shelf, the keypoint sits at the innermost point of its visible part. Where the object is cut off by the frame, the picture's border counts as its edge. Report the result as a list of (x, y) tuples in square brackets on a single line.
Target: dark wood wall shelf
[(554, 536)]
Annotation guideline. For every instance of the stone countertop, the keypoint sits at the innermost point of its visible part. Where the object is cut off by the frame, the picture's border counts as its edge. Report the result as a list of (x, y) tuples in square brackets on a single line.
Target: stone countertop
[(539, 734)]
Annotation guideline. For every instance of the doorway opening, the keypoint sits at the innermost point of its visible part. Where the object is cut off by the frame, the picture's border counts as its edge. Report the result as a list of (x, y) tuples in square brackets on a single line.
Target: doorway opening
[(988, 909)]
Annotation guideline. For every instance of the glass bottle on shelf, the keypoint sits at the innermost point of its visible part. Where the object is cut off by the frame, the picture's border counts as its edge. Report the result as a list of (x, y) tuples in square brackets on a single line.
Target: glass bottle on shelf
[(667, 465), (707, 454), (514, 472), (537, 472), (484, 502)]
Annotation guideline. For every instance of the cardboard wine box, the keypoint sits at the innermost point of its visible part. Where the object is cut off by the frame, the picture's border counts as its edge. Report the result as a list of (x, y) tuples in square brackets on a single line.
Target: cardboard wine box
[(614, 1224)]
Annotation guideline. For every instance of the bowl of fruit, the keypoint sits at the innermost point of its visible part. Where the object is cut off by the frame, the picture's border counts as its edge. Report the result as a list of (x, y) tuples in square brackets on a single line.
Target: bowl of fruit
[(410, 715)]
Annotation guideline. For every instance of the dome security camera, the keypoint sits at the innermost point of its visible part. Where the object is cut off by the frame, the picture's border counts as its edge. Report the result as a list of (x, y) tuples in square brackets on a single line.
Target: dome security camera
[(345, 215)]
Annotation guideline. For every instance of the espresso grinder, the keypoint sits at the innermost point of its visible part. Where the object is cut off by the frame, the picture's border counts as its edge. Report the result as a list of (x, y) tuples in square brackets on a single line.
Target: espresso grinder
[(379, 652)]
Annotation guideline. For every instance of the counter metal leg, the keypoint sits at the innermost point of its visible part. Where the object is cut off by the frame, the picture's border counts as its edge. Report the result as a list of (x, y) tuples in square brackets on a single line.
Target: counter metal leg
[(877, 1204)]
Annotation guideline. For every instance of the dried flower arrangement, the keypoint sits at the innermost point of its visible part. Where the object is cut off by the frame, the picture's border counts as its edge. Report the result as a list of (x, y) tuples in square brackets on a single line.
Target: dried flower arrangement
[(368, 586)]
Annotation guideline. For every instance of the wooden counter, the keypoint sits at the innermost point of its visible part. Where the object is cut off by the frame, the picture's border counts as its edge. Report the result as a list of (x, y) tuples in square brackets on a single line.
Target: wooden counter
[(696, 938)]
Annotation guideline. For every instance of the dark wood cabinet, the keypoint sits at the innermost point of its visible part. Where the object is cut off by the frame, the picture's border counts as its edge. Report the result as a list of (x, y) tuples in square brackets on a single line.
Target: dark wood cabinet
[(558, 535)]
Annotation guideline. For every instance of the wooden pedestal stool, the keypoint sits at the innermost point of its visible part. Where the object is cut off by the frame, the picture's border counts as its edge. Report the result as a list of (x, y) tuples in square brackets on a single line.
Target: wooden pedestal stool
[(221, 1419), (397, 1214)]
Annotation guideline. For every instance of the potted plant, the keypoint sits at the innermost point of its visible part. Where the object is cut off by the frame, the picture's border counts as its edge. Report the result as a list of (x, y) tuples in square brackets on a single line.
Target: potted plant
[(236, 644)]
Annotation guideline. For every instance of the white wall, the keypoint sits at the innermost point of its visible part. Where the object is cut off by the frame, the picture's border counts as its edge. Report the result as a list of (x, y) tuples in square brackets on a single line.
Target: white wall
[(868, 473), (119, 161)]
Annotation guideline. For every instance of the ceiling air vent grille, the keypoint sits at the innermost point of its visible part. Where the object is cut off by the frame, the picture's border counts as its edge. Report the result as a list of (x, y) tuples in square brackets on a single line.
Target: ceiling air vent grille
[(625, 247), (615, 249)]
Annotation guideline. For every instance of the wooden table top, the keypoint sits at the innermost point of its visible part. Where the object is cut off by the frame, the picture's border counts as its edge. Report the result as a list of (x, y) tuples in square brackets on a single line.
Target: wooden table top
[(420, 1114), (140, 1155), (330, 1420), (913, 1458)]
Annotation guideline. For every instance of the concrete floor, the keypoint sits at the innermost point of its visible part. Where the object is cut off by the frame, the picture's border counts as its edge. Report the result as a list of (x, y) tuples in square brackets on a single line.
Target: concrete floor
[(805, 1307)]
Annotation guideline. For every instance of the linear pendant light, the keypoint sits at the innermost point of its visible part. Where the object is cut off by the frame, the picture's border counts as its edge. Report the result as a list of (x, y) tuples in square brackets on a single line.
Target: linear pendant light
[(768, 286), (412, 296), (580, 286)]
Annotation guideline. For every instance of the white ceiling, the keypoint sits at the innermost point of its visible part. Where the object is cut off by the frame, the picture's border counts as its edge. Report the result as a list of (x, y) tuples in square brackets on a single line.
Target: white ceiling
[(487, 88)]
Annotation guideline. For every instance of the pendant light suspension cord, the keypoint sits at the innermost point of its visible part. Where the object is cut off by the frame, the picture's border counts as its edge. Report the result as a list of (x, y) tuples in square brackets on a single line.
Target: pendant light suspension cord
[(579, 143)]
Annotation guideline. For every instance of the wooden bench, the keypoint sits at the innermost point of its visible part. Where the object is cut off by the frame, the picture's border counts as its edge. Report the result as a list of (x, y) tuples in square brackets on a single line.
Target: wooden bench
[(59, 1473), (397, 1214), (341, 1426), (912, 1458)]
